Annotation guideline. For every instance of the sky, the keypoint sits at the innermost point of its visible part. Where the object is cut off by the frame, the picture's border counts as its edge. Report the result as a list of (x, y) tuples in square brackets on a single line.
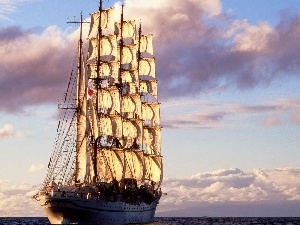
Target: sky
[(229, 78)]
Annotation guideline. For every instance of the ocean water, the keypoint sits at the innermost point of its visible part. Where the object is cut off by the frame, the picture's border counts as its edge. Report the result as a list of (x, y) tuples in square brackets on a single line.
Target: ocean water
[(175, 221)]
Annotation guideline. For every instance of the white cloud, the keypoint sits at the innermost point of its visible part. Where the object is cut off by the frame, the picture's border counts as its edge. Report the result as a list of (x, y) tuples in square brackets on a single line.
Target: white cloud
[(8, 7), (15, 200), (36, 168), (7, 131), (232, 186)]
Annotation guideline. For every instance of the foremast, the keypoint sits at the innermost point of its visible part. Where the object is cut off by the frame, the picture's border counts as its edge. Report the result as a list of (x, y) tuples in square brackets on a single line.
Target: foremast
[(81, 107)]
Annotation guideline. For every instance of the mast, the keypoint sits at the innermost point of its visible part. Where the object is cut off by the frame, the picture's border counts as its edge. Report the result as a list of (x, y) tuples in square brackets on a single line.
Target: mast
[(97, 139), (80, 166)]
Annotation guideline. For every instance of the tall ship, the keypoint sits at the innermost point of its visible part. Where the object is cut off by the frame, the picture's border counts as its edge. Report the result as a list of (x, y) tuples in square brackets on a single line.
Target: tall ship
[(106, 164)]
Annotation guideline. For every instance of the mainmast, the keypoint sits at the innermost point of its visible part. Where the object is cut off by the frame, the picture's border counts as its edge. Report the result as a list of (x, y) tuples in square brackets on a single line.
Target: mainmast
[(97, 81)]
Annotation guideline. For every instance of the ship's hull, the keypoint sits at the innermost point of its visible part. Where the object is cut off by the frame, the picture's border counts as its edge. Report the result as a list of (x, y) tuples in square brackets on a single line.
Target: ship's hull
[(67, 210)]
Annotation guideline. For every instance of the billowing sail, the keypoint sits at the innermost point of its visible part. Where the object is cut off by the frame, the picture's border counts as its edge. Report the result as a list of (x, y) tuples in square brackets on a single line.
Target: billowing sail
[(132, 104), (152, 140), (153, 168), (107, 69), (111, 125), (132, 131), (129, 76), (128, 57), (107, 21), (146, 44), (108, 46), (134, 165), (109, 100), (147, 67), (149, 86), (128, 31), (110, 164), (150, 113)]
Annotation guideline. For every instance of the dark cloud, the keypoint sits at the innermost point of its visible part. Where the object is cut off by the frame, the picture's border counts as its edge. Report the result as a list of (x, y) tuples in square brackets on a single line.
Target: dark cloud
[(34, 68)]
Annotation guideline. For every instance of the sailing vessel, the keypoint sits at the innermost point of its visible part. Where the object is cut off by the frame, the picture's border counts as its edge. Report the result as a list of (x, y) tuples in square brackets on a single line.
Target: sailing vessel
[(106, 167)]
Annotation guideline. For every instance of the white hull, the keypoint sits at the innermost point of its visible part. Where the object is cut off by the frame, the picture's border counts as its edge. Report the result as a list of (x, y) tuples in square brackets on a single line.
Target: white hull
[(66, 210)]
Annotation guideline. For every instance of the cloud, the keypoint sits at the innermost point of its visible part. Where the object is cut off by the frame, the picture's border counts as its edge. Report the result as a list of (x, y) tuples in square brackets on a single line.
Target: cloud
[(198, 48), (193, 114), (8, 7), (7, 131), (15, 200), (272, 121), (296, 118), (232, 188), (36, 168), (34, 70), (196, 52)]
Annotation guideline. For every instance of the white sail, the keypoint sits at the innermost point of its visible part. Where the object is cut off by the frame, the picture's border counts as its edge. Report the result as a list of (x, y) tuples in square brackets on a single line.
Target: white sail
[(149, 86), (111, 125), (109, 101), (152, 140), (106, 69), (129, 89), (129, 76), (147, 67), (93, 118), (146, 44), (132, 132), (132, 104), (134, 165), (107, 21), (153, 168), (108, 46), (128, 57), (150, 113), (128, 30), (81, 139)]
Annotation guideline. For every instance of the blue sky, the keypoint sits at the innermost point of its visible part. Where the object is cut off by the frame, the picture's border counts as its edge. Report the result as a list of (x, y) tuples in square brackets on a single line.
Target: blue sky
[(229, 83)]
